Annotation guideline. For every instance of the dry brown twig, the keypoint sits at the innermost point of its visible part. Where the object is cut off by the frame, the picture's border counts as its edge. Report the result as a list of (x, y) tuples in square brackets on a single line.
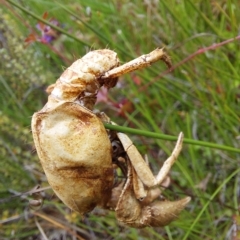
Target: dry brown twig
[(138, 63)]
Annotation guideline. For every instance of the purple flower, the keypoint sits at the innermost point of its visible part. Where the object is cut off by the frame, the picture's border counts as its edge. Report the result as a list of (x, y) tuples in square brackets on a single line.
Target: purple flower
[(48, 34)]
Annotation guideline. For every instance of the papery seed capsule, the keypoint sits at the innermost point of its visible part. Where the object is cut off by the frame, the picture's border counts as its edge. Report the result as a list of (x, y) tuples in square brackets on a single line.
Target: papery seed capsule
[(71, 141)]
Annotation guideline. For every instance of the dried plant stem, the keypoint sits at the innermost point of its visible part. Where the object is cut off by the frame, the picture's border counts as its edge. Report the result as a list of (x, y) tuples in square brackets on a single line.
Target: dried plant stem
[(205, 49), (58, 224), (138, 63), (190, 57), (44, 237)]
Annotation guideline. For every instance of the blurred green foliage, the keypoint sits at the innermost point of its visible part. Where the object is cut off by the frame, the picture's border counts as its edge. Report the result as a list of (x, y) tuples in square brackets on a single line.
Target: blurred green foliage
[(200, 97)]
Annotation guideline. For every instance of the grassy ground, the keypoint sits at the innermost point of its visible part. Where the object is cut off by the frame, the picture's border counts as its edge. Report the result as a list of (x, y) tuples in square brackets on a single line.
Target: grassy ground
[(200, 98)]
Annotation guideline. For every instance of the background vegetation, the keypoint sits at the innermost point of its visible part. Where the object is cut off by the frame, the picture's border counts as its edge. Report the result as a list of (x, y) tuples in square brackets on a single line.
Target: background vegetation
[(200, 97)]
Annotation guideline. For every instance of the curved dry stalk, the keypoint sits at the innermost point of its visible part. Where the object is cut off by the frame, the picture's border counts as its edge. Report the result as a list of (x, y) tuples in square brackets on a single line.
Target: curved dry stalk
[(138, 63)]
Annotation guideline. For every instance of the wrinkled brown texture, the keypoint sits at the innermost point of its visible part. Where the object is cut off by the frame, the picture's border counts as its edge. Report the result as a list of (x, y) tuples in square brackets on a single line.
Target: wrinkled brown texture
[(80, 82), (138, 203), (148, 212)]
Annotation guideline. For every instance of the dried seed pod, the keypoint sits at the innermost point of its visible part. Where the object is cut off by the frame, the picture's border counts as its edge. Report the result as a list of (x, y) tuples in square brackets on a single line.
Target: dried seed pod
[(80, 83), (71, 141), (76, 151)]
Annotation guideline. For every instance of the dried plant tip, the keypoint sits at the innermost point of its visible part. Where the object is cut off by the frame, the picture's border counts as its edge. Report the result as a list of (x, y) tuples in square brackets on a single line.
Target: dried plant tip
[(164, 212), (138, 63)]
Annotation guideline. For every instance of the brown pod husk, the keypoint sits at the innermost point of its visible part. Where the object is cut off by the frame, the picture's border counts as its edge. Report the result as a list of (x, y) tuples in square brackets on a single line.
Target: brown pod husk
[(75, 153)]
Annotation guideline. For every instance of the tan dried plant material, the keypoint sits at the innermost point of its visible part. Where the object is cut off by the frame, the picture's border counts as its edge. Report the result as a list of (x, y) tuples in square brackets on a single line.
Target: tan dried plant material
[(77, 153)]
